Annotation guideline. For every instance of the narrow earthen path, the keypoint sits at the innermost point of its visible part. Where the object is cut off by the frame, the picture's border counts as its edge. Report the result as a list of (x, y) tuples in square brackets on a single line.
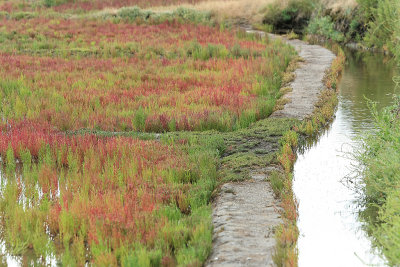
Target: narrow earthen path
[(309, 80), (245, 214)]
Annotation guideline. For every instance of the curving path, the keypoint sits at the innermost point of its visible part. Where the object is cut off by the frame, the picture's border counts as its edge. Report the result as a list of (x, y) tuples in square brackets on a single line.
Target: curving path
[(245, 214), (309, 80)]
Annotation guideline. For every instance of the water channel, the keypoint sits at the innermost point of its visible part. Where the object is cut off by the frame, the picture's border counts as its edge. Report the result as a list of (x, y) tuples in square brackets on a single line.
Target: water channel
[(331, 233)]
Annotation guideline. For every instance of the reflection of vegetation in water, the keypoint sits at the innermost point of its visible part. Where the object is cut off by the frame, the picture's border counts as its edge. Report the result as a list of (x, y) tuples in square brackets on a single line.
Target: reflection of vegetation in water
[(366, 75), (371, 75)]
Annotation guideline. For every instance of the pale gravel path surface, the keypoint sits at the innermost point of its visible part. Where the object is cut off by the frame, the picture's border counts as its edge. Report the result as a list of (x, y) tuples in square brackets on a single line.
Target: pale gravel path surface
[(245, 214), (244, 219), (309, 80)]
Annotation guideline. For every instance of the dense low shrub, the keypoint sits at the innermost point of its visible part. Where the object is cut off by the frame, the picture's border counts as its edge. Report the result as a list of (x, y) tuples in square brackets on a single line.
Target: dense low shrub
[(291, 16), (324, 26), (380, 161), (383, 24)]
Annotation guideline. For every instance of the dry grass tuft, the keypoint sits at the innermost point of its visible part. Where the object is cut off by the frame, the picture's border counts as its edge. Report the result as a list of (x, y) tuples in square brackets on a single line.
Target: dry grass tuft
[(250, 10), (338, 5), (247, 10)]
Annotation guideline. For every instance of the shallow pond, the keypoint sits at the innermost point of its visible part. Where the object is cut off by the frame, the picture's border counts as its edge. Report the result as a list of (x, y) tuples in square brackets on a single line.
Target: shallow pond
[(330, 232)]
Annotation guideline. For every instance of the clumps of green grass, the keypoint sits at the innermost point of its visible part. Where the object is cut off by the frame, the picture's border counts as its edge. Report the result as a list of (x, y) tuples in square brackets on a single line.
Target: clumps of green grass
[(52, 3), (277, 180), (196, 51), (286, 253), (138, 15), (139, 120), (4, 15), (292, 35), (252, 148), (263, 27), (13, 95), (287, 156)]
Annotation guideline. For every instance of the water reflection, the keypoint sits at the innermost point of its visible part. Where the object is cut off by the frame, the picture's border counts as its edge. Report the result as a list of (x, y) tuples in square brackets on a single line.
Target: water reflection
[(28, 257), (330, 232)]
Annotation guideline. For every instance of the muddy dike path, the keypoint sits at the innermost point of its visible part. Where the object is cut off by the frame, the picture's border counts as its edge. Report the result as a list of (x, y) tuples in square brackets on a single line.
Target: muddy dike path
[(245, 213)]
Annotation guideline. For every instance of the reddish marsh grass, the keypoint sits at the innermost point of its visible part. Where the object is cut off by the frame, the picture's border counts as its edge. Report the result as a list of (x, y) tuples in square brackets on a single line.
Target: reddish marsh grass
[(101, 4), (84, 5), (165, 85), (96, 34), (103, 199)]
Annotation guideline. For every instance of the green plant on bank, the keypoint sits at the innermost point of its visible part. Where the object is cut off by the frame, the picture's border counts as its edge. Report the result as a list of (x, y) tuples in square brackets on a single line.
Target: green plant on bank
[(292, 35), (293, 16), (379, 152), (324, 26), (263, 27), (384, 27), (379, 156), (374, 23)]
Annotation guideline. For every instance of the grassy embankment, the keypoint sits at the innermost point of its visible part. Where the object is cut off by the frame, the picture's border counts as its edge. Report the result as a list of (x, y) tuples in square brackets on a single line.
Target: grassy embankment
[(75, 191)]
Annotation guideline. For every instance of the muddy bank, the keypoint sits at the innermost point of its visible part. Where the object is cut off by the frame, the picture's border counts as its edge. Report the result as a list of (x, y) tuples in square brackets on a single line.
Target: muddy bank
[(246, 213)]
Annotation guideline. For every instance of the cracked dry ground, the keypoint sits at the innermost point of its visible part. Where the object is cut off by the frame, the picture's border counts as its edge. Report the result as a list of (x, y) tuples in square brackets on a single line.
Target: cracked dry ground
[(246, 213)]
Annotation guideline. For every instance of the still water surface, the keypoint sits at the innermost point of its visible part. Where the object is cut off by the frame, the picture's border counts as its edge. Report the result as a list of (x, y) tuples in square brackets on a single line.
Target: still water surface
[(330, 231)]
